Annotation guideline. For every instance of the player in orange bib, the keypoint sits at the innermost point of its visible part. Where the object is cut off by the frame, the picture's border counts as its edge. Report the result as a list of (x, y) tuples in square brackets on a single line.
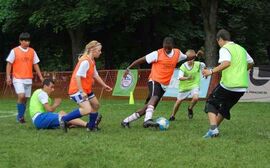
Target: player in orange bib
[(80, 88), (21, 61), (163, 63)]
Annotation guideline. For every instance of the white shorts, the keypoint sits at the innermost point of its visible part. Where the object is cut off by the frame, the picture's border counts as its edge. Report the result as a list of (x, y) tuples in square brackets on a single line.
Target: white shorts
[(78, 98), (23, 88), (184, 95)]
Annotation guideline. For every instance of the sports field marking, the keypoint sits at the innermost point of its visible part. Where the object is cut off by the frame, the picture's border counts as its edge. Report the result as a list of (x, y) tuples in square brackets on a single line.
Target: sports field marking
[(5, 114)]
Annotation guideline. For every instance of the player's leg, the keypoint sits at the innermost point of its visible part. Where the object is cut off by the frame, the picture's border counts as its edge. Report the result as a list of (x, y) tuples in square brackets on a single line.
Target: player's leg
[(21, 101), (220, 118), (194, 100), (94, 116), (212, 109), (175, 109), (75, 122), (180, 97), (157, 93), (84, 109), (136, 115)]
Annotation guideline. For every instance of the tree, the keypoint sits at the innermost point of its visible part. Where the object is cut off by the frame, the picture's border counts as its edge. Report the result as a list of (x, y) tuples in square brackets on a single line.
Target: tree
[(70, 15), (209, 13)]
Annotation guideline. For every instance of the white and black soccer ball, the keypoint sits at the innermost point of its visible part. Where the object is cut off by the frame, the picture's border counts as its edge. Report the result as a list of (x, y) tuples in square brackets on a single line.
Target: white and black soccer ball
[(163, 123)]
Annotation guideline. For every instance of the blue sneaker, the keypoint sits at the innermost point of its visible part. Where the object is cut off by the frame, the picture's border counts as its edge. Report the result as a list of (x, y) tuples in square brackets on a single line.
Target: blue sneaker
[(211, 133)]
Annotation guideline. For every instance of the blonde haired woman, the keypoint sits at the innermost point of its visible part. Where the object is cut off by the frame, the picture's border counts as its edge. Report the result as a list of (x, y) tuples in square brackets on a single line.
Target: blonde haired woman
[(80, 87)]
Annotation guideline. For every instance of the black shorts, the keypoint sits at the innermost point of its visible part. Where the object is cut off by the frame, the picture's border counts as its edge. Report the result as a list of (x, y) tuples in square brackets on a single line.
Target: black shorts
[(155, 89), (221, 101)]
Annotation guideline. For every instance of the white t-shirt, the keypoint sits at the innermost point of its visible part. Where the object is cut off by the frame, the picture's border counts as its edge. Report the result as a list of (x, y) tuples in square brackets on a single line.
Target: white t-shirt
[(225, 55), (43, 97), (181, 73), (11, 59), (153, 56), (83, 68)]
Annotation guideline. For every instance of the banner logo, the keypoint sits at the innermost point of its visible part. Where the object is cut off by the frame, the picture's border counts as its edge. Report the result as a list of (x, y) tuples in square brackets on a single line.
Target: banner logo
[(127, 81)]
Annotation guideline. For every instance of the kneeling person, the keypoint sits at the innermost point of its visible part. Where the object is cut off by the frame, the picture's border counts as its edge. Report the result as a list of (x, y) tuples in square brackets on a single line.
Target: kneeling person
[(42, 109)]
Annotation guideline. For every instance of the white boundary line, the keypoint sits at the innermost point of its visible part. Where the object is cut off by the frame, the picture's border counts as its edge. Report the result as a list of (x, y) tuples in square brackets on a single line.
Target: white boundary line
[(7, 114)]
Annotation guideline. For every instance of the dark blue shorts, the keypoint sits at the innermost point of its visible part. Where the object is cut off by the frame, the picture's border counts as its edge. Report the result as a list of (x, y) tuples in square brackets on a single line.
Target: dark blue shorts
[(47, 120)]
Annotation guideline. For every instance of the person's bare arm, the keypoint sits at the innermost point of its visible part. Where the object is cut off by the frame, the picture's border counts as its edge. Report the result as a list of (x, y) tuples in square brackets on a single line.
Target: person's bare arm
[(52, 108), (223, 65), (102, 83), (8, 71), (135, 63), (37, 69)]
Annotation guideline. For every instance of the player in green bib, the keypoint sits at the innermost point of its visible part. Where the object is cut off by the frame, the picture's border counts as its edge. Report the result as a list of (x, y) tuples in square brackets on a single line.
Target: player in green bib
[(189, 76), (234, 65), (42, 108)]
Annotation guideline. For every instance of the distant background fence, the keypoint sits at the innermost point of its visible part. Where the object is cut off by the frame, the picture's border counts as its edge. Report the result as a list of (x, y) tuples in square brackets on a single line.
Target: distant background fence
[(109, 76)]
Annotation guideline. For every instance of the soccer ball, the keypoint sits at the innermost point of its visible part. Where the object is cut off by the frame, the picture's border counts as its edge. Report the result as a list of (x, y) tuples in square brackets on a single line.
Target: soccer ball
[(163, 123)]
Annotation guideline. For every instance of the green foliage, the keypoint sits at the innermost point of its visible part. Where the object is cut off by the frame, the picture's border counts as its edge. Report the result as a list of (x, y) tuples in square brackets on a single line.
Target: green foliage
[(130, 29), (248, 22)]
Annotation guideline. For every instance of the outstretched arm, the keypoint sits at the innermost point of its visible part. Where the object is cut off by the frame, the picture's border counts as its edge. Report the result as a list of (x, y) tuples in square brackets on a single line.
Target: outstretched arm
[(135, 63), (223, 65), (102, 83)]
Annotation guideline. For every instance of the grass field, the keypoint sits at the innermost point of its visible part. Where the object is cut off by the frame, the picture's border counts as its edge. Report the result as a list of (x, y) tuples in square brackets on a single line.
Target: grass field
[(244, 141)]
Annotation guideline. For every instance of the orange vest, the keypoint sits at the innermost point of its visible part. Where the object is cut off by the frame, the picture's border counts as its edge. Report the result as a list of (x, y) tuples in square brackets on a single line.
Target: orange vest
[(86, 82), (163, 69), (23, 63)]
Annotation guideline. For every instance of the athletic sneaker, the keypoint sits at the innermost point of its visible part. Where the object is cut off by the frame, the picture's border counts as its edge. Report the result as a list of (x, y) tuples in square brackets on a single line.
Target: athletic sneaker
[(64, 125), (211, 133), (190, 113), (172, 118), (98, 120), (21, 120), (125, 124), (95, 129), (150, 123)]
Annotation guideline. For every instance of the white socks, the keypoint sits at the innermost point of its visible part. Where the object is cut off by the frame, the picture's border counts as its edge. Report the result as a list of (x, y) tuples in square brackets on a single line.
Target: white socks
[(132, 117), (149, 112)]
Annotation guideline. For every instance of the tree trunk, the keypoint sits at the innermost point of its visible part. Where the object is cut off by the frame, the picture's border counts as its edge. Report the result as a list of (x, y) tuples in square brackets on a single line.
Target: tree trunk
[(209, 13), (108, 55), (77, 43)]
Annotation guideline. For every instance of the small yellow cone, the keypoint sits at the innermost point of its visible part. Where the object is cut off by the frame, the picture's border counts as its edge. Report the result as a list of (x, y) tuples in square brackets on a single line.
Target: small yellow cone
[(131, 98)]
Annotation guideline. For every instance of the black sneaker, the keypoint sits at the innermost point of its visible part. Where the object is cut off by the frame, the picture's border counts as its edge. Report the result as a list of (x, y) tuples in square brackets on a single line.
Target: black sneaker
[(98, 120), (190, 113), (64, 125), (172, 118), (150, 123), (125, 124), (21, 120), (95, 129)]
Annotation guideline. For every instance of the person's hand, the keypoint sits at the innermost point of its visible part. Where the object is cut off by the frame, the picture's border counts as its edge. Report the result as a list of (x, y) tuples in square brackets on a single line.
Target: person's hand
[(200, 53), (84, 95), (207, 72), (8, 80), (108, 88), (126, 73), (41, 79), (189, 77), (57, 101)]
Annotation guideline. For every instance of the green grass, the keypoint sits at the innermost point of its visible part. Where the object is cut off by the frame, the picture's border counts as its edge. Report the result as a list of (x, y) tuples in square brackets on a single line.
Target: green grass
[(244, 141)]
